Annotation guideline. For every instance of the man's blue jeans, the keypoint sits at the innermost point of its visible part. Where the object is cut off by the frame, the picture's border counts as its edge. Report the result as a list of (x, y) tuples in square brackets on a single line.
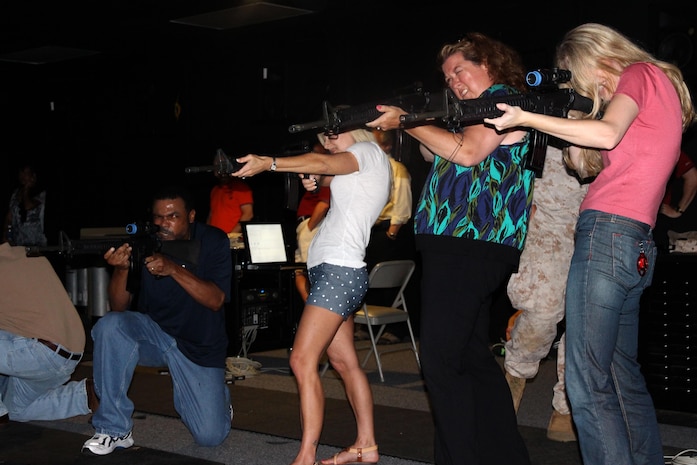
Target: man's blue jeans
[(123, 340), (611, 406), (35, 381)]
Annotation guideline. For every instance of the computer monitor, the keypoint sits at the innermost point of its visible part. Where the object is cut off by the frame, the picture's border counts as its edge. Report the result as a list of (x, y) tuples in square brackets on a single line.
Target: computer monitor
[(264, 242)]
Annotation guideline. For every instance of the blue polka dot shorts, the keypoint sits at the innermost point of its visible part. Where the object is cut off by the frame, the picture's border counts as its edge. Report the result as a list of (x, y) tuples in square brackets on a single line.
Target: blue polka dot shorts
[(340, 289)]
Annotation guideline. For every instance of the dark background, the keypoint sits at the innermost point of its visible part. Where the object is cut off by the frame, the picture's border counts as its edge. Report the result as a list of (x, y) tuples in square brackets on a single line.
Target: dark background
[(103, 131)]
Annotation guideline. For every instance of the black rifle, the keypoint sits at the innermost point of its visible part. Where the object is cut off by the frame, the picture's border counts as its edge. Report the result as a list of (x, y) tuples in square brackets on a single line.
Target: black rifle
[(222, 165), (347, 118), (554, 102), (143, 240), (444, 108), (548, 100)]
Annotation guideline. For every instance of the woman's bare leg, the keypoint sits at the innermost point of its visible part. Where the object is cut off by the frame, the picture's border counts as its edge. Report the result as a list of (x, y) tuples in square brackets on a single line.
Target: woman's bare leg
[(316, 329), (343, 357)]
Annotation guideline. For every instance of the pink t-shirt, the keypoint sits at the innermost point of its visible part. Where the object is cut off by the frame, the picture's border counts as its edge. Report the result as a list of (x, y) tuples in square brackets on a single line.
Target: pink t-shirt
[(633, 180)]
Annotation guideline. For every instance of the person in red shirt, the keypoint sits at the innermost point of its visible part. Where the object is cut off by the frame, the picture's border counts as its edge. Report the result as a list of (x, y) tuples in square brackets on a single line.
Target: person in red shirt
[(231, 202)]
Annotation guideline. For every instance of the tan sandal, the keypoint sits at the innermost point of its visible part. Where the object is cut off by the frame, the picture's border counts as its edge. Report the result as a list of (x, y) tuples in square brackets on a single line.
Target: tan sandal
[(359, 454)]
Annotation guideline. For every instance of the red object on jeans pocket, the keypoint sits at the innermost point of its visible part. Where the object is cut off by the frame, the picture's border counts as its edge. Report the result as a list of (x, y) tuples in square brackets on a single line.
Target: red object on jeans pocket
[(642, 264)]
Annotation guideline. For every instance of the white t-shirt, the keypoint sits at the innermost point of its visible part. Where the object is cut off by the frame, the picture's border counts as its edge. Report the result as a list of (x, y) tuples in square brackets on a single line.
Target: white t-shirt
[(356, 202)]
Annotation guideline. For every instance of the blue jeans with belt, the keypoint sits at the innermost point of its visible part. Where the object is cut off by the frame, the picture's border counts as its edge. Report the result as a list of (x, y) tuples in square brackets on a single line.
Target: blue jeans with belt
[(123, 340), (34, 381), (611, 406)]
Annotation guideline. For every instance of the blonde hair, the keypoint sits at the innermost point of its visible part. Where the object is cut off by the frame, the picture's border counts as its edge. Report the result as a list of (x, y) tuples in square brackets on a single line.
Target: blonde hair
[(593, 46), (359, 135), (363, 135), (589, 162)]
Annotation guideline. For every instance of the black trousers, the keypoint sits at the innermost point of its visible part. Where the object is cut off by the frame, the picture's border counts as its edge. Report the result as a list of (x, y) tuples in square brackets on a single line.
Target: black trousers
[(471, 403)]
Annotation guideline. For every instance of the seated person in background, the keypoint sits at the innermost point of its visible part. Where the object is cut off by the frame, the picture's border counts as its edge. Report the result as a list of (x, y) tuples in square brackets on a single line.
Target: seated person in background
[(24, 222), (177, 320), (674, 215), (41, 341), (231, 202), (311, 211)]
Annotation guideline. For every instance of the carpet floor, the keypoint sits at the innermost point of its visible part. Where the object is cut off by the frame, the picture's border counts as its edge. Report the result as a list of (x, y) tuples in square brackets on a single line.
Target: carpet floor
[(267, 416)]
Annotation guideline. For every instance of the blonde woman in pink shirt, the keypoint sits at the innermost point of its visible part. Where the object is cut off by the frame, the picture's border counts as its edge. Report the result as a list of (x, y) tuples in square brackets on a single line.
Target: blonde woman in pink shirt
[(641, 108)]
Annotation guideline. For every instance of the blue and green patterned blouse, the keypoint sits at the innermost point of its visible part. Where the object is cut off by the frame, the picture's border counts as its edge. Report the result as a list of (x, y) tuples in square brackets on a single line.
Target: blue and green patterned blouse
[(489, 202)]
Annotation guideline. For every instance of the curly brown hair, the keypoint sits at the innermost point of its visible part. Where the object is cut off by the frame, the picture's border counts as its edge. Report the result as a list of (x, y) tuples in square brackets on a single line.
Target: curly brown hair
[(504, 64)]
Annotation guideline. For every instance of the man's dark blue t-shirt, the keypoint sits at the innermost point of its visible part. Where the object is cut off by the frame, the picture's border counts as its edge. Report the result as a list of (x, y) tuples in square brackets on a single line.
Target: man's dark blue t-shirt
[(199, 331)]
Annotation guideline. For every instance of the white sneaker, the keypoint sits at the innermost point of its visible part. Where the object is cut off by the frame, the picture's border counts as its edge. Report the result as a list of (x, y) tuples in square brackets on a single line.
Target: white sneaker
[(103, 444)]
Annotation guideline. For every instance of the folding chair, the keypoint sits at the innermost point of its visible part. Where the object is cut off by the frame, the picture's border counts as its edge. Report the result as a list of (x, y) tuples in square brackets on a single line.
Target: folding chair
[(393, 274)]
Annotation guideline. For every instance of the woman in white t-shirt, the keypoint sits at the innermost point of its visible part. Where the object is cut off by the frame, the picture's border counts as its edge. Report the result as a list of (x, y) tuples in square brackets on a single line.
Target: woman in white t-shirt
[(359, 173)]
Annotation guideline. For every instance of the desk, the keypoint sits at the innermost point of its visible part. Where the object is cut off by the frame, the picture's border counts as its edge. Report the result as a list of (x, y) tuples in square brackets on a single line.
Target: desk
[(264, 309)]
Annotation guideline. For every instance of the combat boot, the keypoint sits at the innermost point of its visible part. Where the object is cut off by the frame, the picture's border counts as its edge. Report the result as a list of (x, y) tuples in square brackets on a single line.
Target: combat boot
[(561, 428), (517, 386)]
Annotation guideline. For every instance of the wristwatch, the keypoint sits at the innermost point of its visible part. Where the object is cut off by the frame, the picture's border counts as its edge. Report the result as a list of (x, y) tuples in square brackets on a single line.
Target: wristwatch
[(273, 164)]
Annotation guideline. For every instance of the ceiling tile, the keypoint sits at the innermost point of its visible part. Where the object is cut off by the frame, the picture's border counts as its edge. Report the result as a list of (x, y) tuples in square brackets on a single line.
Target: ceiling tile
[(242, 16)]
